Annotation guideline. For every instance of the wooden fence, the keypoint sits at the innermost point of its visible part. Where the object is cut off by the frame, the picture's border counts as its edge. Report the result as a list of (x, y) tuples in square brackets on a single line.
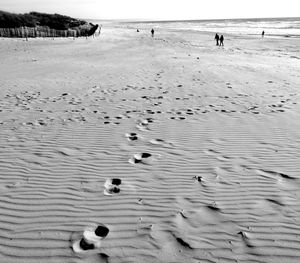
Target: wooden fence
[(27, 32)]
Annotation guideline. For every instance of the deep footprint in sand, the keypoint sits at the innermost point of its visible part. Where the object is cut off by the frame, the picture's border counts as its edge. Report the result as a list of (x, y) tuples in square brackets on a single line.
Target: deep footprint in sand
[(131, 136), (81, 246), (144, 158), (112, 186), (91, 238)]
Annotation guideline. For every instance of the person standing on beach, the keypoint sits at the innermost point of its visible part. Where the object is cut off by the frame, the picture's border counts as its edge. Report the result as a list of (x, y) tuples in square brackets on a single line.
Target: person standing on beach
[(221, 40), (152, 32), (217, 39), (263, 34)]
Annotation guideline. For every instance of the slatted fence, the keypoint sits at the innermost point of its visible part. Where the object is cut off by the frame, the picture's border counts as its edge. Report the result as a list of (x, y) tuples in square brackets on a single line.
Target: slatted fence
[(31, 32)]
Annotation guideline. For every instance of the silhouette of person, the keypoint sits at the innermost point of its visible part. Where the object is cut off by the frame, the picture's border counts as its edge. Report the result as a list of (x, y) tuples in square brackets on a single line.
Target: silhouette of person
[(217, 39), (152, 32), (263, 34), (221, 40)]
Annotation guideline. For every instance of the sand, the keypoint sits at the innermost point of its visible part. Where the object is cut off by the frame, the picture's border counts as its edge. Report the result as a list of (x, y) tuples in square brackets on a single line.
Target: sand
[(205, 141)]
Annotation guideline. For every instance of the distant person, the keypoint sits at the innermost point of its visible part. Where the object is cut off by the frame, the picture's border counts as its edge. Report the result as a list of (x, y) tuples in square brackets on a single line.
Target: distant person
[(263, 34), (137, 30), (152, 32), (221, 40), (217, 39)]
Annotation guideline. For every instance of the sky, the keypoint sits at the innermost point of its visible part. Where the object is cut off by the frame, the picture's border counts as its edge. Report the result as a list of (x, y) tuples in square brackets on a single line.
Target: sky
[(157, 9)]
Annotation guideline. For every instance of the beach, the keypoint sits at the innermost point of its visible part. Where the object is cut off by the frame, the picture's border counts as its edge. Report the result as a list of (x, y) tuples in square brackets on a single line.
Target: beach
[(204, 139)]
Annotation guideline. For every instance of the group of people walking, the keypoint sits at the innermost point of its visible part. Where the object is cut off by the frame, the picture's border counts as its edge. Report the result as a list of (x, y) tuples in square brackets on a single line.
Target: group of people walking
[(219, 40)]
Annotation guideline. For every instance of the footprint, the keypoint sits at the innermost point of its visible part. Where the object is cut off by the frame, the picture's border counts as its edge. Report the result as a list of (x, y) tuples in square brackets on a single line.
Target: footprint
[(82, 246), (91, 238), (198, 178), (141, 158), (94, 234), (143, 125), (150, 112), (112, 186), (131, 136), (150, 120)]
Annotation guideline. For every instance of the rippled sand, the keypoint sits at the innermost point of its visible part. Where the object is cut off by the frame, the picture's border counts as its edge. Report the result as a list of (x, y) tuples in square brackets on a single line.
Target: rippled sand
[(205, 142)]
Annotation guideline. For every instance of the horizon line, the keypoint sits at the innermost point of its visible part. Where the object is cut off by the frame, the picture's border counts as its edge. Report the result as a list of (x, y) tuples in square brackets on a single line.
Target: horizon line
[(134, 20)]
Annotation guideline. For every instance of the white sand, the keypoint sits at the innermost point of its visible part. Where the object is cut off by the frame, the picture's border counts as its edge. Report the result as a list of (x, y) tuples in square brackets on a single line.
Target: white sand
[(221, 125)]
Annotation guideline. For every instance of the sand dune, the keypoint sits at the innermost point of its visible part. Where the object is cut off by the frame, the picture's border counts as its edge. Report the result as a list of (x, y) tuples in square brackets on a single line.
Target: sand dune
[(186, 152)]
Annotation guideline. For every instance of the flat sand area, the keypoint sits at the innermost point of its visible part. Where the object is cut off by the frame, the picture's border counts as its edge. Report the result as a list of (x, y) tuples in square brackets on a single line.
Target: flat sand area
[(205, 141)]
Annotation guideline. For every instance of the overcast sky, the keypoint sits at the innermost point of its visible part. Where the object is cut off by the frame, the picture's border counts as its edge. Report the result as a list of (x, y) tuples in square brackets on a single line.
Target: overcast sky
[(158, 9)]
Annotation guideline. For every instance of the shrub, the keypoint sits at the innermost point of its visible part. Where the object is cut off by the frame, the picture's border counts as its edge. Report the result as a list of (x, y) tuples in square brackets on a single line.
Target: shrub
[(33, 19)]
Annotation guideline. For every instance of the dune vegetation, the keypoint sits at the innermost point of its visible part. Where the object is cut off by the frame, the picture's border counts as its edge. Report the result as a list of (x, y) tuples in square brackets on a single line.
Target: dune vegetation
[(33, 19), (36, 24)]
